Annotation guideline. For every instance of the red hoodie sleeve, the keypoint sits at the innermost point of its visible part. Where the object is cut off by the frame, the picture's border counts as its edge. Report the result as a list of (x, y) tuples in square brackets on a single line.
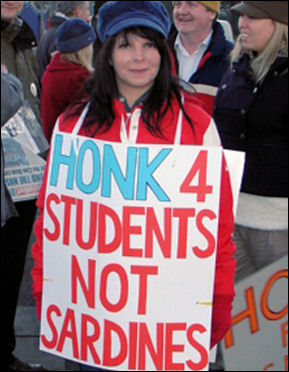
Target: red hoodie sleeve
[(37, 248), (225, 265)]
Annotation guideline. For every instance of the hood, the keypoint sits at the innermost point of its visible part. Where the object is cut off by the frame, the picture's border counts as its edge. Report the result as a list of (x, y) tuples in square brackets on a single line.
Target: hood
[(59, 63), (19, 34)]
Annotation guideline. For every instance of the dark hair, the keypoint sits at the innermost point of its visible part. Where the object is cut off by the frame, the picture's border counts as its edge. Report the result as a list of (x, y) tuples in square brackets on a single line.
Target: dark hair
[(102, 87), (97, 6)]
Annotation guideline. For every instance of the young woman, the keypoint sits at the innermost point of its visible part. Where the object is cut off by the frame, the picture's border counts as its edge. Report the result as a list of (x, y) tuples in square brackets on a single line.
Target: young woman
[(252, 115), (133, 73), (71, 65)]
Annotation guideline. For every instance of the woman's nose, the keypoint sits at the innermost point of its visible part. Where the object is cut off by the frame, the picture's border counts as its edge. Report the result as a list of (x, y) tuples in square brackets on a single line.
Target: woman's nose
[(138, 54)]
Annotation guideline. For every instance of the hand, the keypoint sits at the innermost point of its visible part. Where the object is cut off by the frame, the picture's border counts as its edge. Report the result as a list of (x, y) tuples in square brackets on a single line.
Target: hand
[(4, 68)]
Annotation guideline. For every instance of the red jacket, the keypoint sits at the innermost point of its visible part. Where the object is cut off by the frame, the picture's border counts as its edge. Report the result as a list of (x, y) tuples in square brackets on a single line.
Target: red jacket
[(204, 133), (62, 84)]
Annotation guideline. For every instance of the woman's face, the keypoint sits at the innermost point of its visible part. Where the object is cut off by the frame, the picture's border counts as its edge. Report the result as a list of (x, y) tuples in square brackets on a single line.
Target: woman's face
[(256, 33), (136, 62)]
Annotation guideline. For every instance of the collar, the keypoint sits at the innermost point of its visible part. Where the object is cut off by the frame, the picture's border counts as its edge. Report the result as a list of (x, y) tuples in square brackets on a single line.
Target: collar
[(219, 42), (18, 33), (138, 102), (203, 45)]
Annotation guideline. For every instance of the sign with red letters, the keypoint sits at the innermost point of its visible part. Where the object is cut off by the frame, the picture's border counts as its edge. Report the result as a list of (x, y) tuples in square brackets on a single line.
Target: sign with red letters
[(130, 236), (258, 340)]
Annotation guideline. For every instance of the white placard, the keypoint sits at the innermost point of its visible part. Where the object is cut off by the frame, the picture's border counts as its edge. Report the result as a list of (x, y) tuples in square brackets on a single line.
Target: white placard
[(129, 241)]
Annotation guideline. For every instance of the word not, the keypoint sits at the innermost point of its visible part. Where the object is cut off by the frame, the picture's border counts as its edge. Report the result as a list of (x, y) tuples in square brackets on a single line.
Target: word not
[(88, 285)]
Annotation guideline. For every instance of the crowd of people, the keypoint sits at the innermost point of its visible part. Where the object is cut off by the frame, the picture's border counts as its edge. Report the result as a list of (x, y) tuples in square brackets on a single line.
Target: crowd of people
[(134, 55)]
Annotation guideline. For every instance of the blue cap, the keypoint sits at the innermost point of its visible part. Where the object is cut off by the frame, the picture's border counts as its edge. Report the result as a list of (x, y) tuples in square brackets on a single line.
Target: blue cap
[(115, 16), (73, 35)]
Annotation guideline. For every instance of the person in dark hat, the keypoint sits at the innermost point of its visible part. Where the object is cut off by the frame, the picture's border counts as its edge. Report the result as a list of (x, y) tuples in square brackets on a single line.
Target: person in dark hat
[(135, 99), (251, 112), (71, 65), (97, 5), (65, 10), (275, 10)]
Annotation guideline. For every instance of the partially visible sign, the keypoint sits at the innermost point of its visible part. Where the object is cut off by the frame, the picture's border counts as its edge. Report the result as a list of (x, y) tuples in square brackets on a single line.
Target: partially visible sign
[(235, 162), (23, 170), (22, 139), (258, 340), (24, 128)]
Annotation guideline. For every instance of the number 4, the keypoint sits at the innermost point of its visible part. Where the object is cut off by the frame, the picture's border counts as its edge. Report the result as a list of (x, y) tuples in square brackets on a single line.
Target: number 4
[(198, 168)]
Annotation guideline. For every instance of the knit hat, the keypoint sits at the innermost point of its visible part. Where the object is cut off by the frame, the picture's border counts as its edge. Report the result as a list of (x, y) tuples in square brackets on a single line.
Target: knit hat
[(276, 10), (215, 6), (115, 16), (73, 35)]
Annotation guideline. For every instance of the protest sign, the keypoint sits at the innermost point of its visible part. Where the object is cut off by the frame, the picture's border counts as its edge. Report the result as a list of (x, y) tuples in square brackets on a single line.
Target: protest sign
[(25, 129), (23, 170), (129, 245), (23, 140), (258, 340)]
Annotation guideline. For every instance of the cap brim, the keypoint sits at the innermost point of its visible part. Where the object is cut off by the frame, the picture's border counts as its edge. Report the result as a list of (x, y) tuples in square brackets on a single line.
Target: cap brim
[(251, 11), (134, 22)]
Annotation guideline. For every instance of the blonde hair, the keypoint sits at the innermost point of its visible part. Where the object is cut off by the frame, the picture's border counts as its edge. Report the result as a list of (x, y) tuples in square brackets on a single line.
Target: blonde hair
[(82, 57), (261, 64)]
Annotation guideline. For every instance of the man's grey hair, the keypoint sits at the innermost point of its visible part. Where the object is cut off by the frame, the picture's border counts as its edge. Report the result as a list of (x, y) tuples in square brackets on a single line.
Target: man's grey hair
[(68, 7)]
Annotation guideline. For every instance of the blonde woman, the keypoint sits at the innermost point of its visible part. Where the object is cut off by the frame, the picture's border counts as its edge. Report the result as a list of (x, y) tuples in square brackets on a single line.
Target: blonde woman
[(71, 65), (252, 116)]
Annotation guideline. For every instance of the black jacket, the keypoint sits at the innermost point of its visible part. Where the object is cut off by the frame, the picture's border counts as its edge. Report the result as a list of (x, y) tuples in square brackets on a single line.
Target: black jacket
[(47, 44), (17, 44), (215, 61), (254, 118)]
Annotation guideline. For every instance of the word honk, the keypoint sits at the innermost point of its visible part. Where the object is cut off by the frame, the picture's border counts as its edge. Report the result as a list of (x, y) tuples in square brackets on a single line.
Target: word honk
[(137, 168)]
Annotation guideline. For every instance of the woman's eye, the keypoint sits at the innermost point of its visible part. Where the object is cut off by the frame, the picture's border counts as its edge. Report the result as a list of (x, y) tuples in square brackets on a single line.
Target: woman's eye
[(123, 46), (150, 45)]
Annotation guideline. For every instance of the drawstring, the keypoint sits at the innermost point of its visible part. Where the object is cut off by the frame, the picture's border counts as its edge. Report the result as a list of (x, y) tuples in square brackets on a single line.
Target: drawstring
[(77, 128), (178, 136), (130, 138), (133, 130)]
